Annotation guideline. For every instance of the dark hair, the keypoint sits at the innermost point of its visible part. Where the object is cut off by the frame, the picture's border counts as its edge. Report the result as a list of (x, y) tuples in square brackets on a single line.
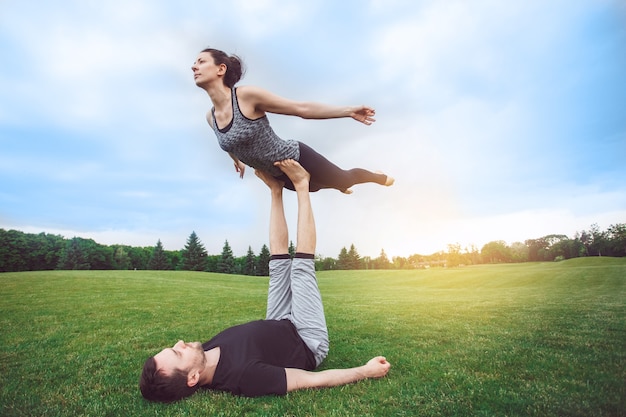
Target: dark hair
[(234, 66), (156, 386)]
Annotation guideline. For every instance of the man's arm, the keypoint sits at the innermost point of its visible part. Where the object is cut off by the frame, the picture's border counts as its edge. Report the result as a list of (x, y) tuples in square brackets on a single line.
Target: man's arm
[(377, 367)]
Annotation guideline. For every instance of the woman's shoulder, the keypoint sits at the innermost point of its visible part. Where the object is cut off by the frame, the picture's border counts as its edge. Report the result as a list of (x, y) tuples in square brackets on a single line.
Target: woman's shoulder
[(252, 100), (250, 91)]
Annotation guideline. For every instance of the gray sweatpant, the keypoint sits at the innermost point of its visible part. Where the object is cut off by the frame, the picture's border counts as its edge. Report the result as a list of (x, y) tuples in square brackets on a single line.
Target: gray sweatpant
[(293, 294)]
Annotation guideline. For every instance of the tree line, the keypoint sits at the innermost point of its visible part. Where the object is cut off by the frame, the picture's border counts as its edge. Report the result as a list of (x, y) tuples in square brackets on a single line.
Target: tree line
[(21, 251)]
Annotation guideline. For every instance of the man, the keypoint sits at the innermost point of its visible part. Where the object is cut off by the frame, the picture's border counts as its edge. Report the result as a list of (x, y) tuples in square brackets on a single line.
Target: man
[(272, 356)]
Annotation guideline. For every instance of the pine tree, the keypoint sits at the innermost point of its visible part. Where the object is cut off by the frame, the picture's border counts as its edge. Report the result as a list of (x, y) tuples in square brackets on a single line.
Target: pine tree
[(263, 265), (194, 254), (158, 260), (226, 264), (211, 263), (292, 250), (342, 261), (249, 268), (74, 256), (353, 258), (382, 262)]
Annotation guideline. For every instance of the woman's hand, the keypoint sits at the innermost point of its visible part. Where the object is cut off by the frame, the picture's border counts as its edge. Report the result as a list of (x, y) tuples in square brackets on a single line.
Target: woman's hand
[(363, 114), (240, 167)]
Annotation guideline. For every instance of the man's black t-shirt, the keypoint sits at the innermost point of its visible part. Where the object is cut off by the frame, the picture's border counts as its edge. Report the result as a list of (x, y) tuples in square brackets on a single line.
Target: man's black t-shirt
[(253, 357)]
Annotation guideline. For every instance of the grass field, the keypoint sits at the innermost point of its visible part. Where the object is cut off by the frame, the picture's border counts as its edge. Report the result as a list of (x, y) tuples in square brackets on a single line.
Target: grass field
[(504, 340)]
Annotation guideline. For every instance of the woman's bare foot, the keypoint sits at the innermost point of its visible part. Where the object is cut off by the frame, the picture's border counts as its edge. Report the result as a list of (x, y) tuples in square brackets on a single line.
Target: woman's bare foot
[(388, 181), (270, 180), (292, 168)]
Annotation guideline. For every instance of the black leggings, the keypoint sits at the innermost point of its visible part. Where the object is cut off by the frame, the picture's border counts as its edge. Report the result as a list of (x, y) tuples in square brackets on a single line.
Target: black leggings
[(325, 174)]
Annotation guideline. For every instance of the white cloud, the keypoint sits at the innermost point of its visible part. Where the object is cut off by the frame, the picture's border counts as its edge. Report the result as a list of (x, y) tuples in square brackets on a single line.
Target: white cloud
[(98, 63), (443, 50), (265, 18)]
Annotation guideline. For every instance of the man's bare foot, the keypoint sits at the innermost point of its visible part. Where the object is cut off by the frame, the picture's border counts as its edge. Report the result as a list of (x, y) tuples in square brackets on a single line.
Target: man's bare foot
[(270, 180), (292, 168)]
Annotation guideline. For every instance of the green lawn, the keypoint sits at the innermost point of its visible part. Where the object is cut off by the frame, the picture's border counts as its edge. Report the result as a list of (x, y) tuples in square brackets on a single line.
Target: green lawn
[(504, 340)]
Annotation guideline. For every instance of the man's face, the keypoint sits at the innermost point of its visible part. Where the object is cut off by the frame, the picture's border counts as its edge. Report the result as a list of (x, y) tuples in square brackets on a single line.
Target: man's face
[(183, 356)]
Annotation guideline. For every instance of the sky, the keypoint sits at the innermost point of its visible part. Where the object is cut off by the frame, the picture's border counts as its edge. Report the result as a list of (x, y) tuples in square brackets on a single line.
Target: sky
[(498, 120)]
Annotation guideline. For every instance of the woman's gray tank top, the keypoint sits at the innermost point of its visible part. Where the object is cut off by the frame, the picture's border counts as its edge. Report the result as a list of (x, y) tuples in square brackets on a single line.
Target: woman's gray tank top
[(254, 142)]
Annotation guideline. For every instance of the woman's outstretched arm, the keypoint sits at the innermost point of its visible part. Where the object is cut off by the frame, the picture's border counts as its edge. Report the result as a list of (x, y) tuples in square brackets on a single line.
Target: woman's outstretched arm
[(255, 102)]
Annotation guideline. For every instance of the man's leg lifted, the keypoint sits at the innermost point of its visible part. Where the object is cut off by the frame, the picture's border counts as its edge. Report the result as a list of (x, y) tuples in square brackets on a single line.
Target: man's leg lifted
[(279, 293), (307, 308)]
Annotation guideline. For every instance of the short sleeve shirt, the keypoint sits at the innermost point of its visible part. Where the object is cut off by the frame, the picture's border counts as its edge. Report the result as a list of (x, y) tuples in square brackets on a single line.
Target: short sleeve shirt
[(253, 357)]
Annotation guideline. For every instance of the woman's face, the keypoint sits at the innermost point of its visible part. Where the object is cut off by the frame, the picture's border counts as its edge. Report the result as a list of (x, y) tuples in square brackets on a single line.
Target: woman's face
[(205, 70)]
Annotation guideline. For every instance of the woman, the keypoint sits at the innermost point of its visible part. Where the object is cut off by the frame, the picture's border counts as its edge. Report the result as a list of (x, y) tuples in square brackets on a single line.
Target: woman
[(239, 120)]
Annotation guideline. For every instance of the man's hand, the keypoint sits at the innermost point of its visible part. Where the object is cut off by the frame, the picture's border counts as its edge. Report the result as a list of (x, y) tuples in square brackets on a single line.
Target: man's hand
[(377, 367)]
